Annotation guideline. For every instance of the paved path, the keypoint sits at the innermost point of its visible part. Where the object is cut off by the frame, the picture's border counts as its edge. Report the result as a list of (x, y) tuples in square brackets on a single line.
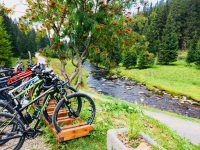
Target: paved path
[(40, 59), (188, 129)]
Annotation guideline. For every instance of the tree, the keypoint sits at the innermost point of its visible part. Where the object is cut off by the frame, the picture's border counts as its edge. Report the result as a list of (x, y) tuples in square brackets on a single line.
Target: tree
[(184, 13), (82, 22), (170, 43), (11, 30), (192, 52), (32, 45), (21, 43), (43, 42), (5, 46), (192, 21), (152, 34), (198, 54), (129, 57)]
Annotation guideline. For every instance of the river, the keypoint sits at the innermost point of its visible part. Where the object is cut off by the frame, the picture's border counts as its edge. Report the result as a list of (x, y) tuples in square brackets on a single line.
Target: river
[(136, 93)]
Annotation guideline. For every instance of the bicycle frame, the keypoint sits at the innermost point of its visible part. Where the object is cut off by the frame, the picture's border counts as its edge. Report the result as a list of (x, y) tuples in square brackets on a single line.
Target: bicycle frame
[(18, 110), (18, 76), (32, 81), (32, 102)]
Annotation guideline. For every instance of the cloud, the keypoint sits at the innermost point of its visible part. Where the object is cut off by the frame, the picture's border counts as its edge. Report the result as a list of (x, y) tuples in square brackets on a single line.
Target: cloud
[(19, 7)]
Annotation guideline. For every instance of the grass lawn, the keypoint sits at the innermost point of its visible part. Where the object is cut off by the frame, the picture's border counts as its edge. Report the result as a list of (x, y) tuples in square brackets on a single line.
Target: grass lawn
[(24, 61), (178, 78), (113, 113)]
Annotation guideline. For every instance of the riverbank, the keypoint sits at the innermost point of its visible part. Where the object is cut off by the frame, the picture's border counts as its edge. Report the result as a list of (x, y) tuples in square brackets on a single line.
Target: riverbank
[(127, 90), (177, 79), (134, 92)]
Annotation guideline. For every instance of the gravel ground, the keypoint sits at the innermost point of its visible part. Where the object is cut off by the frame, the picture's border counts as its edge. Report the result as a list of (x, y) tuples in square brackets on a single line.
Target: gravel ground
[(35, 144), (29, 144), (40, 59)]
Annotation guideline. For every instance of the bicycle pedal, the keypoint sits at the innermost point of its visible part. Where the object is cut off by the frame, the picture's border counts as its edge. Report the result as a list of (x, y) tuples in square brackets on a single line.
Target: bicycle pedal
[(39, 131), (31, 133)]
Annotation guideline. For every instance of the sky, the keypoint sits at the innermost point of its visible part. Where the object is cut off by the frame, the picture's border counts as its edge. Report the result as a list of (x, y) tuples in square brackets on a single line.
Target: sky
[(20, 7)]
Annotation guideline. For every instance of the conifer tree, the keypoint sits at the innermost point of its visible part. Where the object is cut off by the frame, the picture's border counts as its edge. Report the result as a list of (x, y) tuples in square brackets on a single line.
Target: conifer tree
[(151, 33), (43, 42), (198, 54), (192, 52), (5, 46), (170, 43)]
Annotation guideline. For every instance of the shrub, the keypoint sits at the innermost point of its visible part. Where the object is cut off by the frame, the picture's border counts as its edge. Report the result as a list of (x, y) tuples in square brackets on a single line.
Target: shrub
[(191, 56), (197, 61), (145, 60), (129, 58), (198, 58), (167, 56), (135, 125), (192, 52)]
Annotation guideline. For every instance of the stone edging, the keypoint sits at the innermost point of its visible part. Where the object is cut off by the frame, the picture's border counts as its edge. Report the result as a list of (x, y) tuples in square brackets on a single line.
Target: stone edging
[(113, 143)]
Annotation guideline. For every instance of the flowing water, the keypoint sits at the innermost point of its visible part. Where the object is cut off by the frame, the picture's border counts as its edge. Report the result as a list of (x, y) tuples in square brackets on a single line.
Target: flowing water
[(135, 93)]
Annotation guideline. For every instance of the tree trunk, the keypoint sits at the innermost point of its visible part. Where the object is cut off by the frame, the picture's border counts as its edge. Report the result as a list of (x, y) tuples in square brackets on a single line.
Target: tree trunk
[(63, 72), (74, 74), (80, 73)]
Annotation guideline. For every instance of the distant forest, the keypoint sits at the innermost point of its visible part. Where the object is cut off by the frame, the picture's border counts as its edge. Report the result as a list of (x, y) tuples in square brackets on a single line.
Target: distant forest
[(174, 24), (20, 42), (170, 25)]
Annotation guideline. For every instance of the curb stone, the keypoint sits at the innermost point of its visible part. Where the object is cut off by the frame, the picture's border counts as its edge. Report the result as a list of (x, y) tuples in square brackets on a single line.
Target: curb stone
[(113, 143)]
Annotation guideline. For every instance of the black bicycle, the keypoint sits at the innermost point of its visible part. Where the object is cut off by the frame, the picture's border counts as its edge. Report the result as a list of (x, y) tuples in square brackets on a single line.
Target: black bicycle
[(17, 123)]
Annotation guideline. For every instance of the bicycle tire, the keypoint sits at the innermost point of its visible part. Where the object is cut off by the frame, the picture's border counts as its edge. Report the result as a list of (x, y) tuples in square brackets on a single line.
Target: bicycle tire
[(19, 124), (6, 107), (52, 97), (63, 102)]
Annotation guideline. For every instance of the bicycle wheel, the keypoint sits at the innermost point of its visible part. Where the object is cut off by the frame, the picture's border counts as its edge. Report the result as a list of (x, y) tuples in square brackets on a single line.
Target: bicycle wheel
[(6, 107), (51, 101), (65, 111), (11, 132)]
